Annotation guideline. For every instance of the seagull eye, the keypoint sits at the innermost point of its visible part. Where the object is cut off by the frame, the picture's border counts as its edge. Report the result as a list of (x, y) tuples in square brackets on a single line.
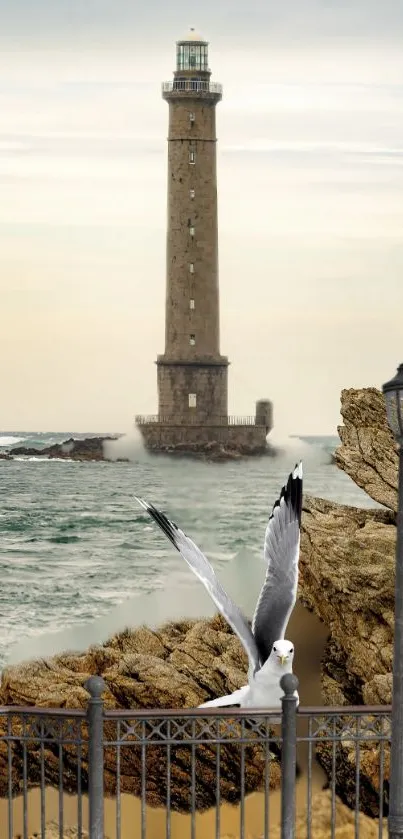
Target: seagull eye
[(291, 649), (274, 649)]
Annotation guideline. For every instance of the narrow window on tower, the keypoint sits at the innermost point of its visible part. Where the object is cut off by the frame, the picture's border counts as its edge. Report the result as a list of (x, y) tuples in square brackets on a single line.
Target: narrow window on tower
[(192, 193), (192, 340), (192, 157), (192, 230), (192, 400), (191, 268), (191, 303)]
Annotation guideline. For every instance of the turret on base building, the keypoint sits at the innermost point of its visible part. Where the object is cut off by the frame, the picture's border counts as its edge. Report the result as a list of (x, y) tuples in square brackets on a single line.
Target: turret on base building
[(192, 374)]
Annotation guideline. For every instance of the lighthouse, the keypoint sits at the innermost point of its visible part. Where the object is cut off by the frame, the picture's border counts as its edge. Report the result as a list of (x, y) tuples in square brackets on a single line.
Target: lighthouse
[(192, 375)]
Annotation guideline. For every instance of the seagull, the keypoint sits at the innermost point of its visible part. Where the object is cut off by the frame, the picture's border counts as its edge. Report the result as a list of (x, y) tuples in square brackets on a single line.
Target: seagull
[(270, 655)]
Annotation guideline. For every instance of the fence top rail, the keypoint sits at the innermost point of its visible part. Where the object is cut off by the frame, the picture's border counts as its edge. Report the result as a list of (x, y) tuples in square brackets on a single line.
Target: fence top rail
[(174, 713), (245, 713), (34, 711)]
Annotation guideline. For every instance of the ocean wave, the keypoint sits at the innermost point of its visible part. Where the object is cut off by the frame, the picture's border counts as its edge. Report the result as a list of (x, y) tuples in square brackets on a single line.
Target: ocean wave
[(10, 441), (44, 459)]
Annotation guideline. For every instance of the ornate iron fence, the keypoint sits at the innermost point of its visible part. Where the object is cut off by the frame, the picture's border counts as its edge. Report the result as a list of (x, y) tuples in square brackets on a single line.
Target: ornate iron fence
[(190, 762)]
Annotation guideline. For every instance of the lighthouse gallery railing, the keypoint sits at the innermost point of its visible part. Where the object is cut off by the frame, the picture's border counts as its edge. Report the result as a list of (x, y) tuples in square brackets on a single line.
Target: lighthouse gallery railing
[(148, 419)]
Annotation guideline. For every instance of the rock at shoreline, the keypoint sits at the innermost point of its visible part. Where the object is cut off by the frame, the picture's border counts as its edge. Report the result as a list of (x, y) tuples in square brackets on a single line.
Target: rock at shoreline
[(91, 448), (178, 666), (213, 451)]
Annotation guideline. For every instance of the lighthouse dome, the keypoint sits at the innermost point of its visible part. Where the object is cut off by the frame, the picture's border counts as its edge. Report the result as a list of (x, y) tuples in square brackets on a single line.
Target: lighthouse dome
[(192, 36)]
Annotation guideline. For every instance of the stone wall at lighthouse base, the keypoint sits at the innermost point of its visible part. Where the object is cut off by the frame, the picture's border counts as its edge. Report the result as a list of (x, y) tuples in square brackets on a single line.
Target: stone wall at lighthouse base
[(218, 442)]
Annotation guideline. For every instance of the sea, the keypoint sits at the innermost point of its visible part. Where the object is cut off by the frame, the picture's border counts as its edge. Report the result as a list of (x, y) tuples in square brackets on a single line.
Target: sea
[(80, 559)]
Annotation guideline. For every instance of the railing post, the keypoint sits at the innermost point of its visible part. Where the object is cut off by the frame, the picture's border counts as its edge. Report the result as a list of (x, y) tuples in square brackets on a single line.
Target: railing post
[(95, 686), (289, 684)]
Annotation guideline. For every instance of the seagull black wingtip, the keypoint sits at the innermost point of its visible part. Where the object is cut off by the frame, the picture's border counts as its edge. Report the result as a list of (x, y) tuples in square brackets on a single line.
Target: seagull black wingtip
[(291, 492), (168, 527)]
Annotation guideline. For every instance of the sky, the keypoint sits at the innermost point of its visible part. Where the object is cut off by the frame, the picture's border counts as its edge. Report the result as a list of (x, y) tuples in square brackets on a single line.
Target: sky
[(310, 185)]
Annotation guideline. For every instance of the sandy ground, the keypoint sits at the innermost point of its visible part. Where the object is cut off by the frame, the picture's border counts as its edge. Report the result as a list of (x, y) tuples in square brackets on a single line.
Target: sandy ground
[(310, 637)]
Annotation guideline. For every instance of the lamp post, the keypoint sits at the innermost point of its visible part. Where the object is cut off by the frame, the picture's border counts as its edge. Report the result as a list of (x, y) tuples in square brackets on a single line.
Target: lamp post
[(393, 392)]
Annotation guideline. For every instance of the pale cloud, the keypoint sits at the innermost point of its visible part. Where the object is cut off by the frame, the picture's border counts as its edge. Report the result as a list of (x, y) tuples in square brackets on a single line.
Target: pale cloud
[(310, 183), (307, 18)]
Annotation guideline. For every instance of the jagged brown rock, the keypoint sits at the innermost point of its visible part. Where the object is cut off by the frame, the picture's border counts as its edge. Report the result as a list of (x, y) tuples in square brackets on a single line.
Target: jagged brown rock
[(178, 666), (368, 452), (347, 578)]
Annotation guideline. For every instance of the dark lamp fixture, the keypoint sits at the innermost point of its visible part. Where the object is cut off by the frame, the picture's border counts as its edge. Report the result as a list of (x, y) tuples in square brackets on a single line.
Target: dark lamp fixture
[(393, 392)]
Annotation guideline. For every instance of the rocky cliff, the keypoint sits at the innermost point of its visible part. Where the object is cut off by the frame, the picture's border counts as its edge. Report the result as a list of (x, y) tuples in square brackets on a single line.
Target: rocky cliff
[(347, 579)]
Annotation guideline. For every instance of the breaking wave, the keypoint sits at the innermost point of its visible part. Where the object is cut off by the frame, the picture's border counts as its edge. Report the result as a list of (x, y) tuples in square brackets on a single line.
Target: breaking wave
[(10, 441)]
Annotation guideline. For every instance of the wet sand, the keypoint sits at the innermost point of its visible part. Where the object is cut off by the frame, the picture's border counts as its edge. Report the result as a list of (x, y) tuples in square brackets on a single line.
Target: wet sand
[(310, 637)]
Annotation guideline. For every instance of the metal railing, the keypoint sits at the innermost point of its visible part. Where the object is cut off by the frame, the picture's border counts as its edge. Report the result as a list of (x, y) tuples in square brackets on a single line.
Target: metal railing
[(193, 85), (188, 761), (193, 419)]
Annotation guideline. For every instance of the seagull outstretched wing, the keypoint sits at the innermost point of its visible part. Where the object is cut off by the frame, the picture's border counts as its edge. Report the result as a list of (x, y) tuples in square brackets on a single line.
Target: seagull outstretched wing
[(281, 553), (203, 570)]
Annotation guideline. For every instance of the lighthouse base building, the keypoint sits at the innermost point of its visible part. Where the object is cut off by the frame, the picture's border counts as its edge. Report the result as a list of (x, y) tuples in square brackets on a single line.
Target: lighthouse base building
[(192, 375), (233, 436)]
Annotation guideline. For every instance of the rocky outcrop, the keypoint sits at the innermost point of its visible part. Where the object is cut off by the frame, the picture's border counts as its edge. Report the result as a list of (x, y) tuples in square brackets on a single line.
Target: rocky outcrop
[(91, 448), (347, 578), (178, 666), (213, 451), (368, 452)]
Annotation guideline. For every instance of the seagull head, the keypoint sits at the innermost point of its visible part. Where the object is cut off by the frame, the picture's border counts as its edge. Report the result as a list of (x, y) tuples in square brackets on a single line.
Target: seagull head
[(283, 652)]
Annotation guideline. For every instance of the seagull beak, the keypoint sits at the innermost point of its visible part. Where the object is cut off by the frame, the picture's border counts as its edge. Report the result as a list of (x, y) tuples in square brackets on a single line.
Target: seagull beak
[(282, 659)]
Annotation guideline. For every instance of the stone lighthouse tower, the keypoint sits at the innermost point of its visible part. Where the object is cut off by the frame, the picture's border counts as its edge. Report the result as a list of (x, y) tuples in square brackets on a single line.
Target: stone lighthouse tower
[(192, 374)]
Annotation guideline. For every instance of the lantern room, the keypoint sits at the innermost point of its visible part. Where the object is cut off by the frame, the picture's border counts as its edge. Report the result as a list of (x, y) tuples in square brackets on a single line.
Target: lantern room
[(192, 53)]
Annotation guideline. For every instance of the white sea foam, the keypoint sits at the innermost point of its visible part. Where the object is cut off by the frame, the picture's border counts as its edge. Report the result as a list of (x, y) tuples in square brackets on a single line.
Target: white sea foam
[(293, 448), (10, 441), (35, 459), (128, 446), (241, 577)]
